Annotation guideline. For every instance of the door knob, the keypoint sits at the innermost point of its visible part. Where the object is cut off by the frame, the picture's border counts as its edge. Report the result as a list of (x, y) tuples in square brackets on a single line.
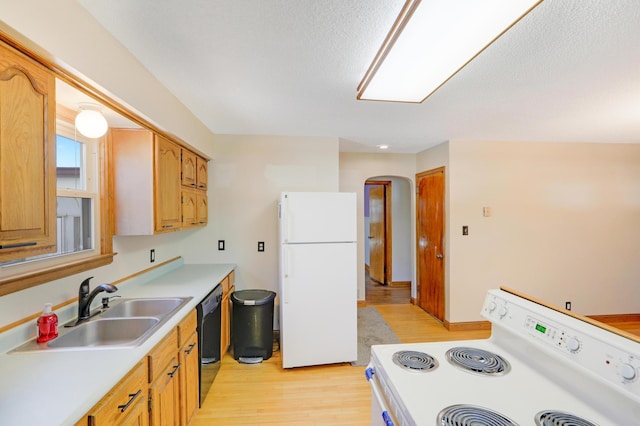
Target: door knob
[(439, 256)]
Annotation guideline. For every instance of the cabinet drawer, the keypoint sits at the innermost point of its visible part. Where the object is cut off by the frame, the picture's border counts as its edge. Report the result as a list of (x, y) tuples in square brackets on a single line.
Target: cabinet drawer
[(187, 327), (122, 400), (162, 354)]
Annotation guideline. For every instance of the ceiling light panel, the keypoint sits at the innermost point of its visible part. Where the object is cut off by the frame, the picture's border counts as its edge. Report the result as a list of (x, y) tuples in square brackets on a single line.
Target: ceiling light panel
[(432, 40)]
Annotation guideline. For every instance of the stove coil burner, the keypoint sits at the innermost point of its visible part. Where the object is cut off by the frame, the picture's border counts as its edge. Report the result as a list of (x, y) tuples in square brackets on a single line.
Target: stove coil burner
[(560, 418), (478, 361), (470, 415), (415, 361)]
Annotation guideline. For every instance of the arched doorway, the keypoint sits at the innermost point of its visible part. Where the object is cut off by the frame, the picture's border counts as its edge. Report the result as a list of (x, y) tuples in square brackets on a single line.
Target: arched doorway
[(387, 222)]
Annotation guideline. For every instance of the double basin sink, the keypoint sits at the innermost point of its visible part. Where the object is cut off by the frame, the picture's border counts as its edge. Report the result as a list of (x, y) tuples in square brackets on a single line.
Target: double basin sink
[(126, 324)]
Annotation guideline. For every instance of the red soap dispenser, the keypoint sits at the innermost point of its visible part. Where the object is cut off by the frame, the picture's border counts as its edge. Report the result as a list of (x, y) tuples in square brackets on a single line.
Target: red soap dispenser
[(47, 325)]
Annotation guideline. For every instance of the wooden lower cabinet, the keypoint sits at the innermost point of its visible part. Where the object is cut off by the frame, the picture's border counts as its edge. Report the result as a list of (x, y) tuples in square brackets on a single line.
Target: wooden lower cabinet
[(226, 305), (125, 404), (189, 383), (163, 388)]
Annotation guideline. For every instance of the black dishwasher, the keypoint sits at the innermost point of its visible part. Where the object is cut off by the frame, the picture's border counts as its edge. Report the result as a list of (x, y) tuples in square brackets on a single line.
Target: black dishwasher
[(209, 318)]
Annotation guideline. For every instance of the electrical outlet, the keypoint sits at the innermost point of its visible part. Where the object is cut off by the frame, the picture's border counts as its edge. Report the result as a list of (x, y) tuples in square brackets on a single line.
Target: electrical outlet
[(465, 230), (220, 244), (260, 245), (567, 306), (152, 255)]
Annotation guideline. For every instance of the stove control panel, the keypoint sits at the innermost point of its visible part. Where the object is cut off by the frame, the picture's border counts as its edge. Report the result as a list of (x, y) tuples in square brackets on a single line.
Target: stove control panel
[(584, 346)]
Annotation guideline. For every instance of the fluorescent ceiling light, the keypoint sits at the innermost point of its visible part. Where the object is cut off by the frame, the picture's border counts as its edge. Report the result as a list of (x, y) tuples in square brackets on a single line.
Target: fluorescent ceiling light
[(432, 40)]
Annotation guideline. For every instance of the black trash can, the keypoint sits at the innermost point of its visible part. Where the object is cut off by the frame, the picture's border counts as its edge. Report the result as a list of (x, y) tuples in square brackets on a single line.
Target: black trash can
[(252, 325)]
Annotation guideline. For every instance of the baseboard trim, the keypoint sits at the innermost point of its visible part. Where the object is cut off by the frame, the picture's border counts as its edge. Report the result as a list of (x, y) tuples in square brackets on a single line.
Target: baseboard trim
[(362, 303), (404, 284), (467, 326), (412, 300)]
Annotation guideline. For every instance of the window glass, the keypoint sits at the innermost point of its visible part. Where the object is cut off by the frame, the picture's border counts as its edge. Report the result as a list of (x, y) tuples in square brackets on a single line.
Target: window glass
[(69, 164)]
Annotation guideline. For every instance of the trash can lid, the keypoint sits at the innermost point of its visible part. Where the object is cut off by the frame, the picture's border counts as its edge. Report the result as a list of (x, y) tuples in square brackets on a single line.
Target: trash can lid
[(252, 297)]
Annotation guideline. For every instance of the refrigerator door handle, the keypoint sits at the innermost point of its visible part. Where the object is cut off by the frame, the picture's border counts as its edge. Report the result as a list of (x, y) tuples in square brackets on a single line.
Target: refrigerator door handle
[(285, 278)]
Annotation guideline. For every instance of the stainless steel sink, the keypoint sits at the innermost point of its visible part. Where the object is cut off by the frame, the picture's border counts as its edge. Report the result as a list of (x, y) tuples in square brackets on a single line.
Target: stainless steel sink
[(128, 323), (152, 307), (106, 332)]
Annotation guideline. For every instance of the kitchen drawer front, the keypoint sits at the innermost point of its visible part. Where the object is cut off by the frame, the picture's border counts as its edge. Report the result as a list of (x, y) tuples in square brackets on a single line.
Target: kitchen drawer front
[(162, 354), (124, 399), (187, 327)]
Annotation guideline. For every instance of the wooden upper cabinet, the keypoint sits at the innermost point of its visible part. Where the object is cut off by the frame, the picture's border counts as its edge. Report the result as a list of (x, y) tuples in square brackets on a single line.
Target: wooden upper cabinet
[(194, 170), (146, 182), (189, 169), (202, 173), (27, 157), (167, 188)]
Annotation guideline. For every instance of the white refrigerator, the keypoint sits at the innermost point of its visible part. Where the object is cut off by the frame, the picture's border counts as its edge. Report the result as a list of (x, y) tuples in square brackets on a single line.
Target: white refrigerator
[(318, 278)]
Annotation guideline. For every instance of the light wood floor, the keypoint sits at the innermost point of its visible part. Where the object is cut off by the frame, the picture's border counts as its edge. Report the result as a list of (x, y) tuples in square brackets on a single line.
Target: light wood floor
[(267, 394)]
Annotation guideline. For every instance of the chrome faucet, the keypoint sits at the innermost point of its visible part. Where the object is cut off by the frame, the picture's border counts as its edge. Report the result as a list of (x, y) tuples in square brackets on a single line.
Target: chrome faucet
[(85, 298)]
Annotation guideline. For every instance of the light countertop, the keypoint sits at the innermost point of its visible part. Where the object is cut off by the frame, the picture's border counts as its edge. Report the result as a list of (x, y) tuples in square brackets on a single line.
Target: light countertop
[(59, 387)]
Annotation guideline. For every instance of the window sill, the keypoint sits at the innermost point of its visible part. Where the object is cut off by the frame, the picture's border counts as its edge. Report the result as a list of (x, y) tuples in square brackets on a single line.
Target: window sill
[(30, 279)]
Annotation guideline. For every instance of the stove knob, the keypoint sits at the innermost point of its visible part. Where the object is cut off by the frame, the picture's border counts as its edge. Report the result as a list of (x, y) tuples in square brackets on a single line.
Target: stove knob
[(502, 311), (573, 344), (491, 306), (627, 371)]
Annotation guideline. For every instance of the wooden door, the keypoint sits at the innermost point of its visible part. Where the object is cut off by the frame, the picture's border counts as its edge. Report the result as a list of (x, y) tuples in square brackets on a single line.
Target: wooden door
[(202, 173), (27, 157), (189, 207), (377, 233), (188, 167), (167, 186), (430, 236), (190, 397), (165, 397)]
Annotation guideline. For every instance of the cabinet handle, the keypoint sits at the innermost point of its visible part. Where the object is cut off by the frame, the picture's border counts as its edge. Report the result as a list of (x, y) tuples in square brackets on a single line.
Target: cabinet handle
[(175, 370), (133, 397), (167, 226), (202, 186), (193, 184), (191, 346), (6, 246)]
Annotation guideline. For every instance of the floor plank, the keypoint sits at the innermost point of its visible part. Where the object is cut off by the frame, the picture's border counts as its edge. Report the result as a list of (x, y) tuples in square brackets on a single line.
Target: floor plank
[(267, 394)]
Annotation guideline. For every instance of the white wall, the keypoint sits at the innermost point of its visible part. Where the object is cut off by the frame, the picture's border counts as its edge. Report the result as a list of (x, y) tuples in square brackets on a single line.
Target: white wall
[(247, 176), (355, 169), (565, 224)]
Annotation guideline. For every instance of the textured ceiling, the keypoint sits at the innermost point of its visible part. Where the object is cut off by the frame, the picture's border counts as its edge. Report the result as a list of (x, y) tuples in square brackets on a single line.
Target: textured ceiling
[(569, 71)]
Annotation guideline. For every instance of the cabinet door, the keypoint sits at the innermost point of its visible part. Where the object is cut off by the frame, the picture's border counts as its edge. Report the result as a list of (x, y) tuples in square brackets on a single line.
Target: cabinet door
[(189, 168), (225, 324), (167, 185), (165, 396), (202, 173), (27, 157), (189, 208), (189, 383), (202, 208)]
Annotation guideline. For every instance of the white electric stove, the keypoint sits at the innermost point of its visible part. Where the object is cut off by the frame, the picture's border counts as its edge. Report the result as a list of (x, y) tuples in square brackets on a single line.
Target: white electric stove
[(539, 367)]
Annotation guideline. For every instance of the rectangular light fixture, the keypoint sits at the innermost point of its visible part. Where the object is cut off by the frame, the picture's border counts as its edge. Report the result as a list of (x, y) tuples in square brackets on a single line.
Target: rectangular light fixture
[(431, 40)]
